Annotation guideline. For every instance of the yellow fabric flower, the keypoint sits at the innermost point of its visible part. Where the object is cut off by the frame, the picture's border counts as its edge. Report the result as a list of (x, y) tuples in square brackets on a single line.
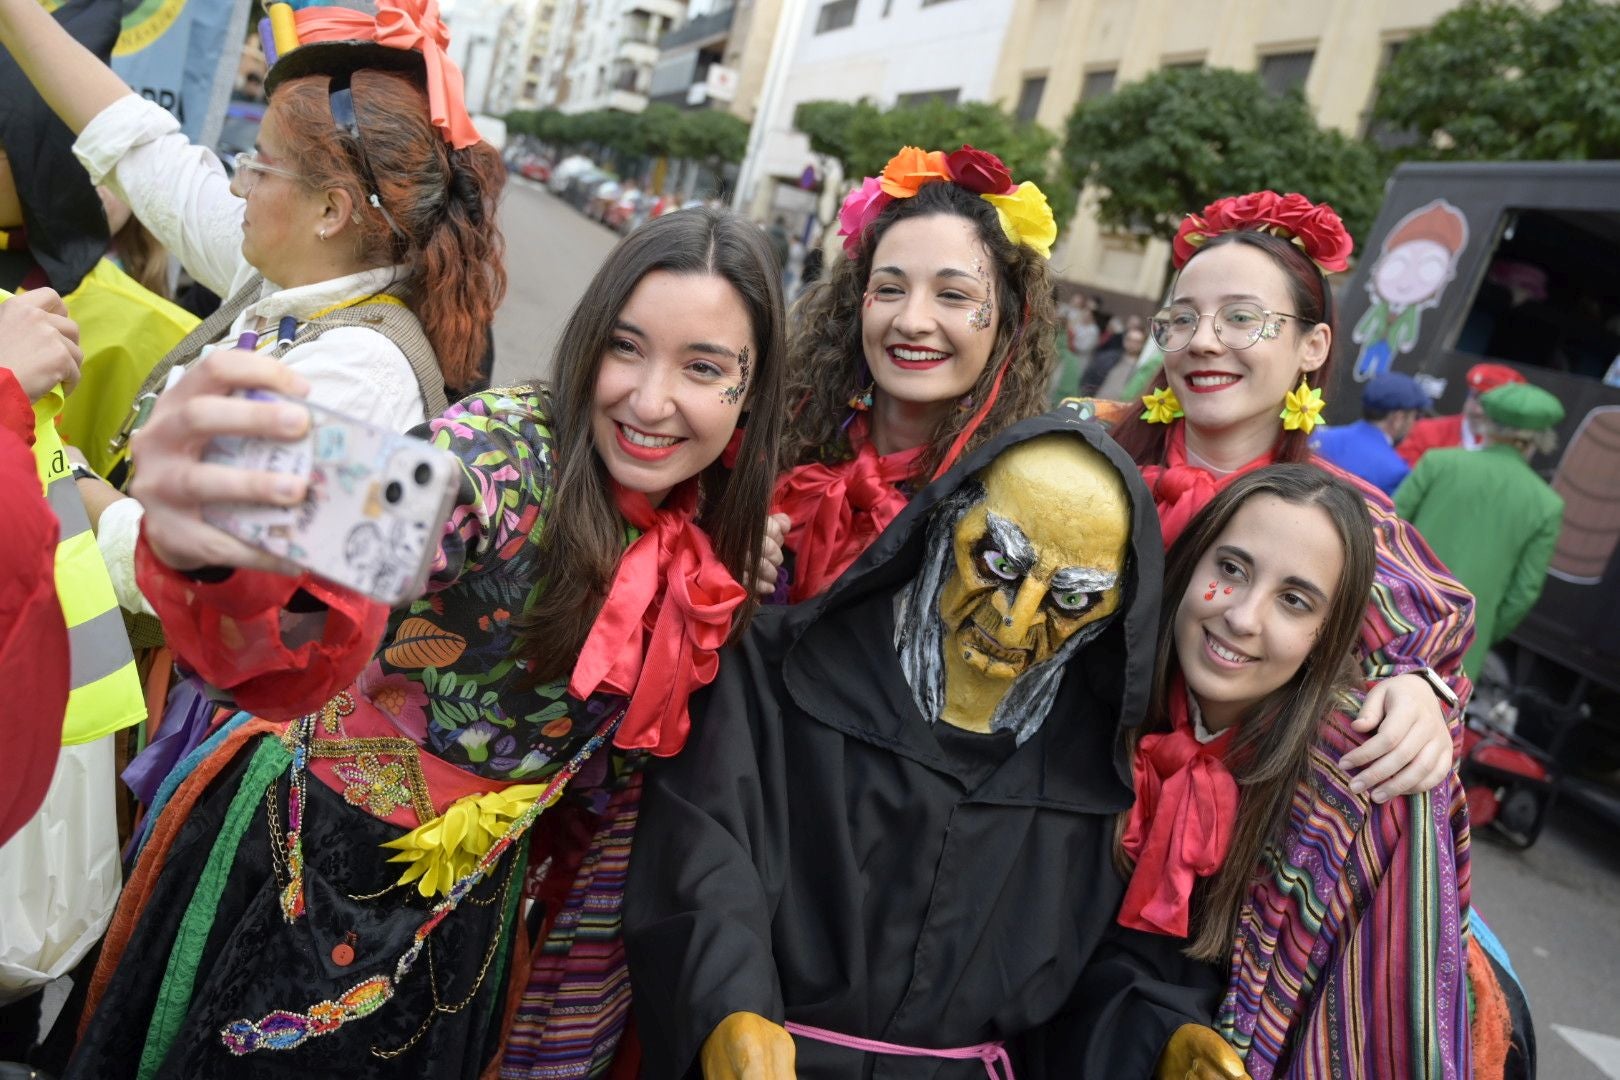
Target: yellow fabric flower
[(445, 850), (1162, 407), (1302, 408), (1026, 217)]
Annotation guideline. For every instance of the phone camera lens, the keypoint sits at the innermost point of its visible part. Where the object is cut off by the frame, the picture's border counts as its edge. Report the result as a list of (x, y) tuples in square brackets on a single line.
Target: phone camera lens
[(422, 474), (393, 492)]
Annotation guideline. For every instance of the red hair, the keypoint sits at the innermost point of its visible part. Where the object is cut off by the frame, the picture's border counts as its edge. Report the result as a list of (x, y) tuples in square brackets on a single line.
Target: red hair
[(443, 200)]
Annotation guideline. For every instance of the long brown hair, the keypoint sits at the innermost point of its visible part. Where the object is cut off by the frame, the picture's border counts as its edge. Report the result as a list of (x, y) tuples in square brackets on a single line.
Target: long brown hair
[(442, 199), (582, 541), (1271, 750), (1313, 303), (825, 355), (143, 256)]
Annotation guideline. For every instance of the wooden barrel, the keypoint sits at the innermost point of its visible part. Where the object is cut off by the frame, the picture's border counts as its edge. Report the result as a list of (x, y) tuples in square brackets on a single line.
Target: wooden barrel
[(1588, 478)]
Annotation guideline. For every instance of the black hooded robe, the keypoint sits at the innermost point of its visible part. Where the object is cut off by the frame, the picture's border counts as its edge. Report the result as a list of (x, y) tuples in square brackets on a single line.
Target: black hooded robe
[(819, 854)]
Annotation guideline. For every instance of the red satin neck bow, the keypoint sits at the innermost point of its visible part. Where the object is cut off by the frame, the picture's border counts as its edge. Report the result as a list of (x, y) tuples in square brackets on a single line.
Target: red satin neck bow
[(414, 26), (1181, 489), (1181, 826), (667, 613), (837, 510)]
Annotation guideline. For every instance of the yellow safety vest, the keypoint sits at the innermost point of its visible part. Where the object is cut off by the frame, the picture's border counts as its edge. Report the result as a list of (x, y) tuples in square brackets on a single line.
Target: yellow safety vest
[(106, 688), (124, 329)]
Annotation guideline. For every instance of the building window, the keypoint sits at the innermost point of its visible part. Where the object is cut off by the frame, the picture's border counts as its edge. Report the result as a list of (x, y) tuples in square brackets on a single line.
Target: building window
[(1097, 84), (923, 97), (1029, 97), (1378, 132), (1284, 73), (1183, 65), (835, 15)]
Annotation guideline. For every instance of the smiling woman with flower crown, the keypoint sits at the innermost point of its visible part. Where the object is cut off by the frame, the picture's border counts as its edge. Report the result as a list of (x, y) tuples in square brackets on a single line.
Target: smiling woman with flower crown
[(1247, 332), (933, 335)]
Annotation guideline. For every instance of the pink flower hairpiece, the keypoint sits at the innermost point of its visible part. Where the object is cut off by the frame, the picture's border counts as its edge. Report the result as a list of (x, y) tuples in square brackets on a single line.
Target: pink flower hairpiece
[(1314, 228), (1022, 209)]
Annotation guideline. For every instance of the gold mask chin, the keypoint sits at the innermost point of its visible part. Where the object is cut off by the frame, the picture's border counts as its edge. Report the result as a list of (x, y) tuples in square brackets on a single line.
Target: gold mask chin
[(1039, 559)]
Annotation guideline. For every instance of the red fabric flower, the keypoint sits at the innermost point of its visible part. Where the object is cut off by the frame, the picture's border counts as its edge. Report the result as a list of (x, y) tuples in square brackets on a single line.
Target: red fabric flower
[(1315, 228), (979, 171), (1236, 211), (1189, 238), (1326, 239)]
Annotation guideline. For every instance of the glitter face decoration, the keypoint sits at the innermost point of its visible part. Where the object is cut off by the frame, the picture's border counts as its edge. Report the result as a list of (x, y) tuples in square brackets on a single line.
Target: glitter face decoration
[(980, 318), (1269, 330), (731, 395)]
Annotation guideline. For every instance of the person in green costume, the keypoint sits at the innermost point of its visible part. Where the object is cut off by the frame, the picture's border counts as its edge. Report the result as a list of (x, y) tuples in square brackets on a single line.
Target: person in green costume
[(1488, 515)]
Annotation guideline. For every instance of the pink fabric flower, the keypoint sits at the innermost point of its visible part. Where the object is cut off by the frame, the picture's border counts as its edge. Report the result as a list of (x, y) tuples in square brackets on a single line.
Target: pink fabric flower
[(860, 209)]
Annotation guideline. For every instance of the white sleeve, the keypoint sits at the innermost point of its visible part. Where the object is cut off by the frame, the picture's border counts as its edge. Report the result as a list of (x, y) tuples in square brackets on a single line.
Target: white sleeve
[(177, 190), (116, 533), (360, 373)]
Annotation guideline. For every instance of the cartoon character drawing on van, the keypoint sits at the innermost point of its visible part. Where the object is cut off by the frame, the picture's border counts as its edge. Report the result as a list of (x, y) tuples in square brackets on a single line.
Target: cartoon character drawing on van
[(1418, 260)]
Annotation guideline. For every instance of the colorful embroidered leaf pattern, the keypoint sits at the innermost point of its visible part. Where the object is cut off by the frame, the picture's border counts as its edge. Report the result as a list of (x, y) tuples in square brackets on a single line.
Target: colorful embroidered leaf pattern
[(457, 642)]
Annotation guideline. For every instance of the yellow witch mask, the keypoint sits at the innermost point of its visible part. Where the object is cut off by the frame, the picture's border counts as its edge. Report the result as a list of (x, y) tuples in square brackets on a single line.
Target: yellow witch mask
[(1040, 558)]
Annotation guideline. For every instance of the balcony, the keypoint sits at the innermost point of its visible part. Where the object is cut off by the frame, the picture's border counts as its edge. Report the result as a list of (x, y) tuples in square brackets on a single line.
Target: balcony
[(626, 101), (673, 10), (638, 53)]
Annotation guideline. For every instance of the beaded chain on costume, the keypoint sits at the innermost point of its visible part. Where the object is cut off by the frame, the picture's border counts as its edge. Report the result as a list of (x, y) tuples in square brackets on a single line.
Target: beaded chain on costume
[(284, 1029), (300, 733)]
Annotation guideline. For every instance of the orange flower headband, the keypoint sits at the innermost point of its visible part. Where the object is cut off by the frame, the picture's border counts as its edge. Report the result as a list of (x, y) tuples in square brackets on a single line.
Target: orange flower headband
[(1025, 216), (1314, 228)]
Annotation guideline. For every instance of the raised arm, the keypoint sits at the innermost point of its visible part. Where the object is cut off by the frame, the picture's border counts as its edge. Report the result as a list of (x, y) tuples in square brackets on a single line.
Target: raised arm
[(73, 82)]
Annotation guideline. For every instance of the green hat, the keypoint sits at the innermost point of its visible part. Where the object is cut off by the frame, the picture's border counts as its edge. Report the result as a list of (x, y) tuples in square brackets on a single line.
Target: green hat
[(1523, 406)]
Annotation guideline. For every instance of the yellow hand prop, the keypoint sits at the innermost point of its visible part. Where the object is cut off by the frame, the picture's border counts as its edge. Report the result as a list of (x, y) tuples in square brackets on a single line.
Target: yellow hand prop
[(746, 1046), (1196, 1052)]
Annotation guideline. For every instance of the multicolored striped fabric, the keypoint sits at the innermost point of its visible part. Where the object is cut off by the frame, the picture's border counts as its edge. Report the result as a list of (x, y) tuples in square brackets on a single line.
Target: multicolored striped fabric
[(1350, 958), (574, 1009)]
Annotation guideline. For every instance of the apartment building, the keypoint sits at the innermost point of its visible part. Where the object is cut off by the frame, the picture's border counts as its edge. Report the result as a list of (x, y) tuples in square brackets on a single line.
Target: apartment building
[(717, 58), (600, 54)]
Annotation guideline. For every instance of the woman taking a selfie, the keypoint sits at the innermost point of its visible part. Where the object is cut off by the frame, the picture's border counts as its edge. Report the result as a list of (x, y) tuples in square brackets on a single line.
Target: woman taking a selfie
[(1335, 922), (588, 572), (935, 333), (1247, 335)]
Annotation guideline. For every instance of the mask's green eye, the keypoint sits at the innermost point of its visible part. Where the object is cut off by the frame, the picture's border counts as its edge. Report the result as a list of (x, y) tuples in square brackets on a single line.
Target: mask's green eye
[(999, 565), (1074, 603)]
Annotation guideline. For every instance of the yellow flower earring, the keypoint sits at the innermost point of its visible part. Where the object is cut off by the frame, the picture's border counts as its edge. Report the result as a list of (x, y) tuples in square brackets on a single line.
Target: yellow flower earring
[(1162, 407), (1302, 408)]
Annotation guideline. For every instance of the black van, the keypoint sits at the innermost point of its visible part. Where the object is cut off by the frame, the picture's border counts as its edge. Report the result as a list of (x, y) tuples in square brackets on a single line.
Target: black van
[(1517, 264)]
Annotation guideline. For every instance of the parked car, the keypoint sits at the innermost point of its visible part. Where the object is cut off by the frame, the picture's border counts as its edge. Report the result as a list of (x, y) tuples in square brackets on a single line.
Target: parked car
[(567, 169)]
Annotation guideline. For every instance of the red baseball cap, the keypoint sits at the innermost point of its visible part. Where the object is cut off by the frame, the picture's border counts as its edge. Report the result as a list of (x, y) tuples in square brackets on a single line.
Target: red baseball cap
[(1486, 377)]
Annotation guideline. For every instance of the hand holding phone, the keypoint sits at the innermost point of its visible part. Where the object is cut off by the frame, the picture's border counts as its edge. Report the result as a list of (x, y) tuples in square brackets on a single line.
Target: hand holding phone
[(374, 504)]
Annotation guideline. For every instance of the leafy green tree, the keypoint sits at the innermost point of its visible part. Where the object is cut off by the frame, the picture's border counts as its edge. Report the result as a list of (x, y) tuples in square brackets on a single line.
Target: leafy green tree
[(1499, 80), (862, 138), (1178, 140), (709, 136)]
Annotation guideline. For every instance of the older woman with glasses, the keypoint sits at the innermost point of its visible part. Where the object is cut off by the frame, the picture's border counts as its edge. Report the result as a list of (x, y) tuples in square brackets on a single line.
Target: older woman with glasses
[(368, 181)]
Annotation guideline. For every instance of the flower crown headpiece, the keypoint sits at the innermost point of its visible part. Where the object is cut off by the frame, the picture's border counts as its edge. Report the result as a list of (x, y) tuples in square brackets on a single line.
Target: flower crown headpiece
[(1025, 216), (1312, 227)]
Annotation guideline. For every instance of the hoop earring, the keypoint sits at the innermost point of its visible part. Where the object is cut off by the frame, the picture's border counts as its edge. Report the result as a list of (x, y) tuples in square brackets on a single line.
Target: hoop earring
[(1302, 408)]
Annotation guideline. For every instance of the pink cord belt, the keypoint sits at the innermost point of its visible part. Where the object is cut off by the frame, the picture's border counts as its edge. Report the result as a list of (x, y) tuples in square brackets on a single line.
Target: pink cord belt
[(997, 1065)]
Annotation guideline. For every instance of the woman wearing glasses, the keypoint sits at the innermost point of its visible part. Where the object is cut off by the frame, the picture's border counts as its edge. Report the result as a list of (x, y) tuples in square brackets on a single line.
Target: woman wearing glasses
[(367, 182), (1248, 341)]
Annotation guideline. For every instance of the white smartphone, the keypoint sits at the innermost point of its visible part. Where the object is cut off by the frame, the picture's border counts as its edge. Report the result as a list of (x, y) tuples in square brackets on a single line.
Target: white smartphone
[(376, 506)]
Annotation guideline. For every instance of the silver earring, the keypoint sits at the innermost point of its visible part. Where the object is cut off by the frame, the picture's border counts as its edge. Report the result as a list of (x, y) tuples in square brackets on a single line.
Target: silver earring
[(323, 234)]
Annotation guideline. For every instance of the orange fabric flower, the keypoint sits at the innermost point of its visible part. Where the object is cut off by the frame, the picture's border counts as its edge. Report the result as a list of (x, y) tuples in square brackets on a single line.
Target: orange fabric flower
[(910, 169)]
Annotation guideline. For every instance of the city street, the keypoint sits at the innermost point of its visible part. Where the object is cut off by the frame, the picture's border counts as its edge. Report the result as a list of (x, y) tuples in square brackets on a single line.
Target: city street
[(1553, 906)]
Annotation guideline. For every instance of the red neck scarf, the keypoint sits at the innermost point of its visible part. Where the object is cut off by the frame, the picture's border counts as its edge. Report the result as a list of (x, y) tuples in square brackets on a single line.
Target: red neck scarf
[(1181, 826), (837, 510), (1181, 489), (667, 613)]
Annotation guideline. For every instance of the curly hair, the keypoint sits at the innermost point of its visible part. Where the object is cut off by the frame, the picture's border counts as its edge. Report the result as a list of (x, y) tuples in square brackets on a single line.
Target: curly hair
[(824, 355)]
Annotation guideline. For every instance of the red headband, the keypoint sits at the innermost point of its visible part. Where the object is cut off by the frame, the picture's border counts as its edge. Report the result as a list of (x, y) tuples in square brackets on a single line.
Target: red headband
[(1314, 228)]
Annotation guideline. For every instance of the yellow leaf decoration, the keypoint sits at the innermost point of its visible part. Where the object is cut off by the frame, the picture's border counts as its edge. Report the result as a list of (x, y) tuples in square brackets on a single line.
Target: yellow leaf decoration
[(446, 849), (419, 643)]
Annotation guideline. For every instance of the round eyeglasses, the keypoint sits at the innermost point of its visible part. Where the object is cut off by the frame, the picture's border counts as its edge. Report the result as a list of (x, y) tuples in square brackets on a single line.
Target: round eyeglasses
[(1237, 325), (247, 165)]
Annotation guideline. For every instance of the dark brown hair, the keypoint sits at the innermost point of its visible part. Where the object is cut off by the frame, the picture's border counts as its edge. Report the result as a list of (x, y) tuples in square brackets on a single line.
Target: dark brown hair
[(583, 539), (1271, 750), (825, 355), (143, 256), (1312, 301), (442, 199)]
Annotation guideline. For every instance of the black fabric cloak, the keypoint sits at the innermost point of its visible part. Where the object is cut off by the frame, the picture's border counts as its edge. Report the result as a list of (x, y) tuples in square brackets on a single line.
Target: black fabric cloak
[(67, 227), (816, 854)]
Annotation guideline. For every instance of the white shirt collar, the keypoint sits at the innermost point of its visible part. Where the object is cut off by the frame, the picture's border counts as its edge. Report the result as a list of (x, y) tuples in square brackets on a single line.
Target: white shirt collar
[(1196, 715), (304, 301)]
